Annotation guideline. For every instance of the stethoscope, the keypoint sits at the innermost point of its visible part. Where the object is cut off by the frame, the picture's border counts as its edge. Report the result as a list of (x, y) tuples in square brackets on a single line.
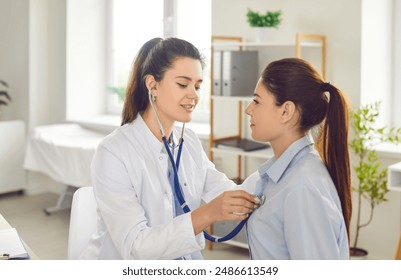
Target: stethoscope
[(177, 188)]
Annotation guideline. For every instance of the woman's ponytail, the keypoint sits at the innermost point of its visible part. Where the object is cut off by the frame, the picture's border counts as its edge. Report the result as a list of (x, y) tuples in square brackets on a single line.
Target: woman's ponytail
[(333, 147)]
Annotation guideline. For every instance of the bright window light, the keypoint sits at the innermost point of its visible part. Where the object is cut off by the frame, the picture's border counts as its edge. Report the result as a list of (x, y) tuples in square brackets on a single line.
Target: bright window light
[(132, 23)]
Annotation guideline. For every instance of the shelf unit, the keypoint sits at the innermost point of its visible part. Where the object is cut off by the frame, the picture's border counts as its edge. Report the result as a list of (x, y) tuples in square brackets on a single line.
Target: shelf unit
[(302, 41)]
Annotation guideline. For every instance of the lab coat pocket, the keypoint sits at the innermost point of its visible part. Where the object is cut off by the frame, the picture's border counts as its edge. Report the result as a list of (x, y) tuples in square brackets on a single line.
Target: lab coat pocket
[(192, 185)]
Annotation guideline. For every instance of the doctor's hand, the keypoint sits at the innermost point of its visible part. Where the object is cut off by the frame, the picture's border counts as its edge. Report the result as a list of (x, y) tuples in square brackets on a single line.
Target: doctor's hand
[(230, 205)]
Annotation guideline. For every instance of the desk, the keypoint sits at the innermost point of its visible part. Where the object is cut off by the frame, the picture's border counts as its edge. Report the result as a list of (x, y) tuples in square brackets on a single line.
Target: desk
[(4, 224), (64, 153), (394, 184)]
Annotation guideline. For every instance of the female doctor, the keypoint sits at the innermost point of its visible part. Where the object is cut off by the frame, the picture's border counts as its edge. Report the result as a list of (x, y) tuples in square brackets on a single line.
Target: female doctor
[(308, 197), (139, 217)]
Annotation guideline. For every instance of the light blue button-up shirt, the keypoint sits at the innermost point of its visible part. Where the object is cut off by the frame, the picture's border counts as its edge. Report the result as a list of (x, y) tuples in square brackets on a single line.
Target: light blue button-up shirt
[(301, 217)]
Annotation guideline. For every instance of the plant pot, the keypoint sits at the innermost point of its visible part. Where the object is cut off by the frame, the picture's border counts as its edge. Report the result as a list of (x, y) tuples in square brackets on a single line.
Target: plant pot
[(266, 34), (261, 34), (358, 253)]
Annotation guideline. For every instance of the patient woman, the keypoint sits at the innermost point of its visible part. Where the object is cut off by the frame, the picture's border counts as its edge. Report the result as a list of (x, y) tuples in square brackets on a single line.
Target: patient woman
[(139, 216), (307, 210)]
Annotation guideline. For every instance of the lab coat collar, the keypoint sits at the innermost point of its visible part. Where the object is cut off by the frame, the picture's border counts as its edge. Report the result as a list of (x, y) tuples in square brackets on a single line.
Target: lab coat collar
[(146, 135), (275, 168)]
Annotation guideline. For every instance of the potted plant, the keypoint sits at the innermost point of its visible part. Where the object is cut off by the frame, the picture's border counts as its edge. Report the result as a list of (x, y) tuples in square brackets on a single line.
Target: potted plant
[(372, 180), (263, 22), (4, 96)]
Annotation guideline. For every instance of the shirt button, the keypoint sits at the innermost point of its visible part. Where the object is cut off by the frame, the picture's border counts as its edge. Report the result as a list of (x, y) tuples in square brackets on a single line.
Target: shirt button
[(160, 157), (185, 184)]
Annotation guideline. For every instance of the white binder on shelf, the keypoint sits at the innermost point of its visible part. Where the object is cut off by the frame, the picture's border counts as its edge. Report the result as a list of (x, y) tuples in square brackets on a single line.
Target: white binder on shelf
[(217, 79)]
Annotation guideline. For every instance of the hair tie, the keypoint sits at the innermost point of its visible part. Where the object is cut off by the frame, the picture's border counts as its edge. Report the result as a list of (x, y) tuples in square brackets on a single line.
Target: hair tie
[(326, 87)]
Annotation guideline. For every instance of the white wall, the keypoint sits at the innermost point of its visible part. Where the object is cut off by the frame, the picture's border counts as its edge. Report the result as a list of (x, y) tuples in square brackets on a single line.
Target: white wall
[(339, 20), (14, 49), (33, 62), (57, 26), (38, 64), (32, 55), (14, 62)]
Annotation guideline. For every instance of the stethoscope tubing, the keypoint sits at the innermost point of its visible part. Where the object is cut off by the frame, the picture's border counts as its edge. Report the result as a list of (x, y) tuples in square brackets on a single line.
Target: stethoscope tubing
[(177, 187), (183, 203)]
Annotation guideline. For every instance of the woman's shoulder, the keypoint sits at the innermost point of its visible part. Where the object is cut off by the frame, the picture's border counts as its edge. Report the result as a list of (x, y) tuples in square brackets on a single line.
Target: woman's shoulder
[(116, 137), (310, 163), (310, 171), (311, 176)]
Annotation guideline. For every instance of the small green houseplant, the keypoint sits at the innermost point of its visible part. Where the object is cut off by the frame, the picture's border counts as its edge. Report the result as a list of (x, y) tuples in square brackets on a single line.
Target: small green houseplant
[(269, 19), (372, 180)]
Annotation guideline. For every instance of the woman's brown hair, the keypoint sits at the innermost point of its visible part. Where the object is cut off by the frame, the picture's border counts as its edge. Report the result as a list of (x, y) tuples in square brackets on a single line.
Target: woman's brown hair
[(294, 79)]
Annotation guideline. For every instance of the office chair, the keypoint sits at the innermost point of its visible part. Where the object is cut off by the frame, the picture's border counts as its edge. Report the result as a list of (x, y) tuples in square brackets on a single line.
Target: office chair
[(83, 221)]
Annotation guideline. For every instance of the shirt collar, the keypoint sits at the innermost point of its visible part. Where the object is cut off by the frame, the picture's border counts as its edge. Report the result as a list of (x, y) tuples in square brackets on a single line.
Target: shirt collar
[(275, 168)]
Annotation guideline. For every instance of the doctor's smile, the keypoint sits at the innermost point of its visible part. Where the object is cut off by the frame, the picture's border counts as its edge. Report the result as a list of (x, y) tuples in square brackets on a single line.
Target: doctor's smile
[(188, 107)]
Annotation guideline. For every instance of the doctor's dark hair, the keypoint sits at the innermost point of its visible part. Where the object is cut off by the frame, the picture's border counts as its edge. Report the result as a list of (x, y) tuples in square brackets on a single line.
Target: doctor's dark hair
[(296, 80), (154, 58)]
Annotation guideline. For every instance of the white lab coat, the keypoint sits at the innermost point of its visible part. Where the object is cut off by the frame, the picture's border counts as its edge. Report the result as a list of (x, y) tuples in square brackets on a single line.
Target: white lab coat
[(135, 216)]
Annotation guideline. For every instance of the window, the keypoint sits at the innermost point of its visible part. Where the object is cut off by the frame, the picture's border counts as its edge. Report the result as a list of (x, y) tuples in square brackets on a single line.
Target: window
[(381, 63), (381, 58), (134, 22), (130, 26)]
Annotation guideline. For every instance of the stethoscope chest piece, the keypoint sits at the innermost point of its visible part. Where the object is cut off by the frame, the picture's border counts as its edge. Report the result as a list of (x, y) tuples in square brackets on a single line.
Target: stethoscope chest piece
[(261, 201)]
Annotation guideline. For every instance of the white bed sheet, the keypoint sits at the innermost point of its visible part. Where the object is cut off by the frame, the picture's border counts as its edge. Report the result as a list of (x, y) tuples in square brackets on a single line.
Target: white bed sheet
[(63, 152)]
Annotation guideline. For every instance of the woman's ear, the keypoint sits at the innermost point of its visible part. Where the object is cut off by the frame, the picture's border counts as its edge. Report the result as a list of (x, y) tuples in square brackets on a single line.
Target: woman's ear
[(151, 84), (288, 111)]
